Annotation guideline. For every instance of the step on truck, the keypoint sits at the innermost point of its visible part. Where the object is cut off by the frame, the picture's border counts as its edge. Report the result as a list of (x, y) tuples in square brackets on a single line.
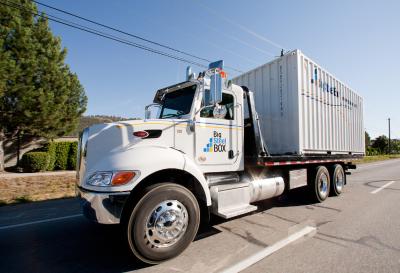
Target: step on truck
[(210, 145)]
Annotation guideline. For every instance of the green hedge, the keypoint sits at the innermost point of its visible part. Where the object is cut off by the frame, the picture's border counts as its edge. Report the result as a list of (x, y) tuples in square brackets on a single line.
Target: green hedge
[(50, 148), (35, 161), (72, 156), (62, 152), (372, 151), (53, 156)]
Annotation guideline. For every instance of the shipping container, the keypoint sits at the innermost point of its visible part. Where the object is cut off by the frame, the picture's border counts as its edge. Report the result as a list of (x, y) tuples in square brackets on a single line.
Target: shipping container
[(304, 109)]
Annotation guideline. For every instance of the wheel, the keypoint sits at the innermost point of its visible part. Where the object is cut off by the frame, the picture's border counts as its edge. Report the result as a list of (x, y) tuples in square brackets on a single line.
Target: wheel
[(338, 179), (163, 223), (319, 183)]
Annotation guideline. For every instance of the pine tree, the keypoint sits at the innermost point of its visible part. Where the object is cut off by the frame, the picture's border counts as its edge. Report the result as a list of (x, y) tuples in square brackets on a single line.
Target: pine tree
[(40, 95)]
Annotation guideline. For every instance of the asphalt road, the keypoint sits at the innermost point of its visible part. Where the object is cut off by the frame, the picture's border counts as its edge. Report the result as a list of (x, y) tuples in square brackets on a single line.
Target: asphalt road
[(356, 232)]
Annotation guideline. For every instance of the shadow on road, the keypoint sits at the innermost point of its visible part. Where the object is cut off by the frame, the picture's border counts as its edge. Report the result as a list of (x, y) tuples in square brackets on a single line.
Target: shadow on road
[(66, 246), (76, 245)]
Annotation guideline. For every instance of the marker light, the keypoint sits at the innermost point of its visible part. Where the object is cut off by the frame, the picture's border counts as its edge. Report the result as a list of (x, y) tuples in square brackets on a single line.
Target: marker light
[(123, 177), (223, 74), (141, 134)]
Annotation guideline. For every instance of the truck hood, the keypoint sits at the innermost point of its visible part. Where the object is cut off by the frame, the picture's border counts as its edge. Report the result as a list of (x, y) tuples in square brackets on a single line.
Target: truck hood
[(108, 139), (112, 137)]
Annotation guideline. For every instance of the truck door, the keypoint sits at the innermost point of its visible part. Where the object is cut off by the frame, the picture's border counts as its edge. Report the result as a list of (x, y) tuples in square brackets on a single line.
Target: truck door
[(216, 137)]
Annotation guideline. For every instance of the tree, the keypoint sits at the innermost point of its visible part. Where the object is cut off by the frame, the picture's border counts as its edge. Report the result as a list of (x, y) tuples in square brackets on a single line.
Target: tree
[(41, 96), (381, 144), (367, 140), (395, 146)]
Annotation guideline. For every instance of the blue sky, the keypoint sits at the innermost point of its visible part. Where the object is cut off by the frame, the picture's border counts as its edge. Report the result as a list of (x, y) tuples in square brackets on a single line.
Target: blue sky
[(358, 41)]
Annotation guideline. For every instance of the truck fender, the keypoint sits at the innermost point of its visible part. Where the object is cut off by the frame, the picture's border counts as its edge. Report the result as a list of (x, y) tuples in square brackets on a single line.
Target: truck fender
[(193, 169), (158, 158), (146, 159)]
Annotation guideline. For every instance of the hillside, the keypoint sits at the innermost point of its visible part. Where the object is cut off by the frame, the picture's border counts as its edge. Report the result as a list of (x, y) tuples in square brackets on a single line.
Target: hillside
[(86, 121)]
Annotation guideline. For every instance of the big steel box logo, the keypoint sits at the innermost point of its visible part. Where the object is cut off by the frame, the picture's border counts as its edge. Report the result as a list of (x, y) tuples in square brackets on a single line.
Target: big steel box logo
[(215, 144)]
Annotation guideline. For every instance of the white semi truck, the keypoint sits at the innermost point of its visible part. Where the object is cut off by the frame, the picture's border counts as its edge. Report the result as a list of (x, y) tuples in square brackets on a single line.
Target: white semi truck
[(217, 146)]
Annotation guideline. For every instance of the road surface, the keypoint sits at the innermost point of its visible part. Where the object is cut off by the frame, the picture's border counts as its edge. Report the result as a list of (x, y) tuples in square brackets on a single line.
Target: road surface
[(356, 232)]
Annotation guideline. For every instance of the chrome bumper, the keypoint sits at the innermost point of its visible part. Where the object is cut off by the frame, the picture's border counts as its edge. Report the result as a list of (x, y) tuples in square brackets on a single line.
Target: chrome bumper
[(103, 208)]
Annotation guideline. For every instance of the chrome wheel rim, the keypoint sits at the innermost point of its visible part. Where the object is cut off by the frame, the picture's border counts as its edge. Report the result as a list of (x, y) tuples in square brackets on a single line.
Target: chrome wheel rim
[(166, 224), (339, 181), (323, 186)]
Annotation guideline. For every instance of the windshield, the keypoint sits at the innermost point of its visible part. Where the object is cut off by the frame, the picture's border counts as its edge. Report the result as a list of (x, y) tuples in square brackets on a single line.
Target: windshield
[(178, 103)]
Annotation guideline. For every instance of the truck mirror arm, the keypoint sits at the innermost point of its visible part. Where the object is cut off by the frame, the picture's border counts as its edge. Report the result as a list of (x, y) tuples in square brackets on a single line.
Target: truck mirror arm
[(192, 121), (255, 122)]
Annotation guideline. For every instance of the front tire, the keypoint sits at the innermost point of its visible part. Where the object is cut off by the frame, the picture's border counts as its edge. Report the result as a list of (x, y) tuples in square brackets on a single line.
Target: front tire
[(319, 183), (163, 223)]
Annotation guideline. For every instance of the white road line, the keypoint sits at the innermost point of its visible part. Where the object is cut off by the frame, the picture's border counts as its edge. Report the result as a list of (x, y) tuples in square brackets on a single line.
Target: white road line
[(381, 188), (268, 250), (40, 221)]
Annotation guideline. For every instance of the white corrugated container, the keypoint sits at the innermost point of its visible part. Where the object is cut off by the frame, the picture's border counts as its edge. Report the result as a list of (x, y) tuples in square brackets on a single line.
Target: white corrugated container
[(303, 109)]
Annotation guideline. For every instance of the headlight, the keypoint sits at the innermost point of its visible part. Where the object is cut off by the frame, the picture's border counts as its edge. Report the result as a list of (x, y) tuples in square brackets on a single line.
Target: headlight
[(105, 179), (102, 179)]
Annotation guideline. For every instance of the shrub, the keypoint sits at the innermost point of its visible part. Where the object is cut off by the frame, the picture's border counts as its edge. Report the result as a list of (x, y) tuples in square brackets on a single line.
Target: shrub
[(35, 161), (50, 148), (62, 152), (22, 199), (73, 150), (60, 156), (372, 151)]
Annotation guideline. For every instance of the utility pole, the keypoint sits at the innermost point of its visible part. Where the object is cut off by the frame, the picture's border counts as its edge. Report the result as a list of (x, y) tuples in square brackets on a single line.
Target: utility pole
[(389, 134)]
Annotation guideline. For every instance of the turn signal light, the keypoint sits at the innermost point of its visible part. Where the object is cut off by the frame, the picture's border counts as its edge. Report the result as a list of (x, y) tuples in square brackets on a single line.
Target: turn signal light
[(141, 134), (223, 74), (121, 178)]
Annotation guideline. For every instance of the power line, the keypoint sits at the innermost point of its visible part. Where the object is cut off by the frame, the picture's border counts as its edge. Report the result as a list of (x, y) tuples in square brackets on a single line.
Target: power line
[(242, 27), (129, 34), (105, 35), (101, 34), (222, 48), (240, 41), (236, 39), (120, 31)]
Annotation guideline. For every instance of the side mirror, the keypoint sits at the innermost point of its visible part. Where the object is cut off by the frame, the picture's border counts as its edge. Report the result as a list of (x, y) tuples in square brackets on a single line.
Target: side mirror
[(216, 81), (215, 88), (147, 114)]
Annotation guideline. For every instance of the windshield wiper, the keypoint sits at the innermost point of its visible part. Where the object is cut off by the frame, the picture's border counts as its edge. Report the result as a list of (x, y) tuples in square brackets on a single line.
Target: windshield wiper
[(178, 115), (169, 116)]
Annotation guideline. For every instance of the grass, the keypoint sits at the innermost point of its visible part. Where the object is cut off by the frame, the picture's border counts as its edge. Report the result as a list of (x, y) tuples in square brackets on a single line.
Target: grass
[(24, 189), (22, 199), (374, 158)]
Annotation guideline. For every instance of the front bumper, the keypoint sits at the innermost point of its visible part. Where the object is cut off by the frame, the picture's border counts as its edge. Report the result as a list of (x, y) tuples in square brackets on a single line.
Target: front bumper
[(103, 208)]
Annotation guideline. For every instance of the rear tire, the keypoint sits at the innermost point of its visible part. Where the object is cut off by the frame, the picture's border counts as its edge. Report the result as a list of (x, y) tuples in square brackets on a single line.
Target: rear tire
[(163, 223), (319, 183), (338, 180)]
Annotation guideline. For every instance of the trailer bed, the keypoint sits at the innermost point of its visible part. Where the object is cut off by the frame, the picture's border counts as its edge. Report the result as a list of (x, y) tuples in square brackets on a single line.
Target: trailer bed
[(285, 160)]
